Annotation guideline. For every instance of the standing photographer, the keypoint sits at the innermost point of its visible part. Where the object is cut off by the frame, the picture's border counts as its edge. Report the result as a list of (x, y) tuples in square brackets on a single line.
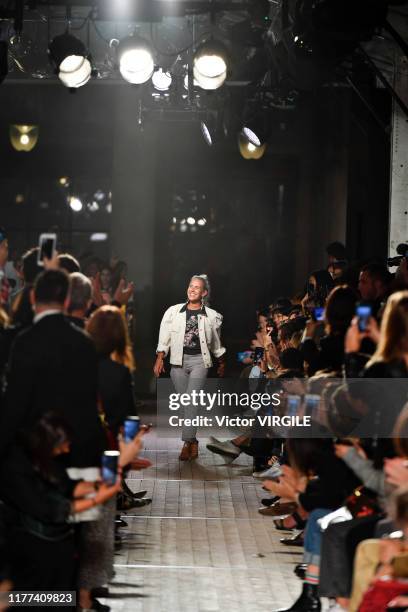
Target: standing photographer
[(191, 332)]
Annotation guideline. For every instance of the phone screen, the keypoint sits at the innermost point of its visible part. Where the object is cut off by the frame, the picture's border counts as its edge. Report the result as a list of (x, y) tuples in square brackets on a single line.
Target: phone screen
[(318, 314), (46, 247), (312, 401), (244, 355), (293, 404), (363, 313), (259, 353)]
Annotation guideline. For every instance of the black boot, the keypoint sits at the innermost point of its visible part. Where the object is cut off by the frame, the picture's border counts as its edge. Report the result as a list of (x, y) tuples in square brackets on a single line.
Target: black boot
[(308, 601)]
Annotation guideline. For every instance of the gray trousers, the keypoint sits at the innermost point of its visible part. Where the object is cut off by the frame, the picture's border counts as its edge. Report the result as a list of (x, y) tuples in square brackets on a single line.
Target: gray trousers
[(186, 378)]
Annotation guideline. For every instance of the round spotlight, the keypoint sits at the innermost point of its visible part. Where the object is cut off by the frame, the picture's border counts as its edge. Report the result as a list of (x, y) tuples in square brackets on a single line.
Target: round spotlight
[(135, 59), (161, 80), (75, 204), (248, 150), (191, 220), (210, 65), (202, 221), (24, 137), (71, 61)]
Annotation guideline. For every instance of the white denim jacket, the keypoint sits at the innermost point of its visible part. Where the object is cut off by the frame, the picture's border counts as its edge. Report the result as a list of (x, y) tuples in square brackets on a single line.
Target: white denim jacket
[(173, 327)]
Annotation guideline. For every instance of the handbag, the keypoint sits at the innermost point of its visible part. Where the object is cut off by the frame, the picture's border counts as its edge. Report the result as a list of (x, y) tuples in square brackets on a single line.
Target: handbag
[(362, 502)]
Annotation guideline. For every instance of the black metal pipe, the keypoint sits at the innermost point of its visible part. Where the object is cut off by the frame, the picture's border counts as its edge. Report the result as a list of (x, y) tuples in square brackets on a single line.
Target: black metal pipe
[(397, 37), (384, 81), (367, 104)]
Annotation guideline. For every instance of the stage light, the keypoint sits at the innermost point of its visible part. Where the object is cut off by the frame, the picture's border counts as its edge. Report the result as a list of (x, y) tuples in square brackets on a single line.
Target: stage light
[(67, 53), (135, 59), (24, 137), (202, 222), (3, 60), (207, 132), (210, 65), (75, 204), (248, 150), (64, 181), (256, 129), (191, 220), (98, 237), (161, 80)]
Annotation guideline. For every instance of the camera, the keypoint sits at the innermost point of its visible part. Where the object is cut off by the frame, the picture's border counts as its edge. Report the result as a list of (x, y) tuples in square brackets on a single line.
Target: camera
[(402, 250)]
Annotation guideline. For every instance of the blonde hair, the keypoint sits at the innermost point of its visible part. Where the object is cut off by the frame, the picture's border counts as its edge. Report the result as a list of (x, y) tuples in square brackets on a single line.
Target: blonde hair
[(206, 283), (393, 342)]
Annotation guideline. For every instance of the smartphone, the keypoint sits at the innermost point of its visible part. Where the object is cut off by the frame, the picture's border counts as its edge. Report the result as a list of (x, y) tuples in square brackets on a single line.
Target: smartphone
[(46, 247), (131, 428), (244, 355), (363, 313), (258, 354), (312, 401), (318, 314), (110, 461), (293, 405)]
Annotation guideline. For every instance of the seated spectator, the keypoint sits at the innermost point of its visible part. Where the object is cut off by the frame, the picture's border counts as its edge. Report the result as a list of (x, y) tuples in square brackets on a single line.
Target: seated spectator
[(338, 314), (39, 499), (374, 285)]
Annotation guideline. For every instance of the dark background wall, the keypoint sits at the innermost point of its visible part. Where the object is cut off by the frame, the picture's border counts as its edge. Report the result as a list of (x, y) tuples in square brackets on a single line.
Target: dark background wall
[(324, 177)]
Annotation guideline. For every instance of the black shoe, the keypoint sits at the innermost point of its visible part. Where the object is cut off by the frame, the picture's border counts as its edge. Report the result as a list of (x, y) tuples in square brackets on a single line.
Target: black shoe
[(120, 523), (296, 540), (129, 493), (268, 501), (300, 570), (308, 601), (125, 503), (96, 605)]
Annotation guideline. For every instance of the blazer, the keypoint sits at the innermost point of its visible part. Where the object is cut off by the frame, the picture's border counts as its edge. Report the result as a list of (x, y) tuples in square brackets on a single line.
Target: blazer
[(116, 392), (53, 368), (172, 330)]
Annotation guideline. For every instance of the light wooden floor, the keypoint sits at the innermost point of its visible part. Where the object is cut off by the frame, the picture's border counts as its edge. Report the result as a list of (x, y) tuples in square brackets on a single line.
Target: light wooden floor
[(201, 545)]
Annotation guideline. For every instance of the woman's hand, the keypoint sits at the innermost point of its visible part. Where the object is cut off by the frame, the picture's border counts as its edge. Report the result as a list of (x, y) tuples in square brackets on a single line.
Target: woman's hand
[(97, 290), (398, 602), (123, 292), (106, 491), (341, 450), (396, 471), (158, 366), (354, 336), (130, 450), (284, 488)]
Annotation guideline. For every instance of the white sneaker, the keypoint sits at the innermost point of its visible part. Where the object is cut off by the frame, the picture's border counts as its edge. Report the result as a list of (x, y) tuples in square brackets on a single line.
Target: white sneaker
[(273, 472), (223, 448)]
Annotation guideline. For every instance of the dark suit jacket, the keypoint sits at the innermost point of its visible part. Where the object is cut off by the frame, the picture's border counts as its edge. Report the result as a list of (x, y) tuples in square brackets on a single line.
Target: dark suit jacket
[(116, 392), (53, 367)]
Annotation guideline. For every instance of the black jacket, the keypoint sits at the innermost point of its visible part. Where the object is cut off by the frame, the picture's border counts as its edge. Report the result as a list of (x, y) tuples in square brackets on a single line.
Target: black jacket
[(53, 368), (116, 392)]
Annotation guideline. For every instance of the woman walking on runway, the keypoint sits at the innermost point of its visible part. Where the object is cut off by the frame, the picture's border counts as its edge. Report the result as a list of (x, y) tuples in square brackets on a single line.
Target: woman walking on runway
[(191, 332)]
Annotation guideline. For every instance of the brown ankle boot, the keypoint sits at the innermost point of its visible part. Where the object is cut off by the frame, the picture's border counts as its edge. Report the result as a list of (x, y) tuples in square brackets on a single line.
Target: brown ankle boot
[(193, 450), (185, 452)]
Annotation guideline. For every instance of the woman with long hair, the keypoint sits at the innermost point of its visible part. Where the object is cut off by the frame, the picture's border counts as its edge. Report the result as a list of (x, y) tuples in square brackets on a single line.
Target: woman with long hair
[(39, 499)]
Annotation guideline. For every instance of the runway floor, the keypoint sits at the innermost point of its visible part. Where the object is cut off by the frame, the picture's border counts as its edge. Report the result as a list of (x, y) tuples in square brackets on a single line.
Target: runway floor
[(201, 545)]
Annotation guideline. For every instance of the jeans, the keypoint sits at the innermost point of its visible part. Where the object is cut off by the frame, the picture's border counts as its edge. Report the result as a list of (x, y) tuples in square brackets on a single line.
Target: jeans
[(187, 378), (313, 536)]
